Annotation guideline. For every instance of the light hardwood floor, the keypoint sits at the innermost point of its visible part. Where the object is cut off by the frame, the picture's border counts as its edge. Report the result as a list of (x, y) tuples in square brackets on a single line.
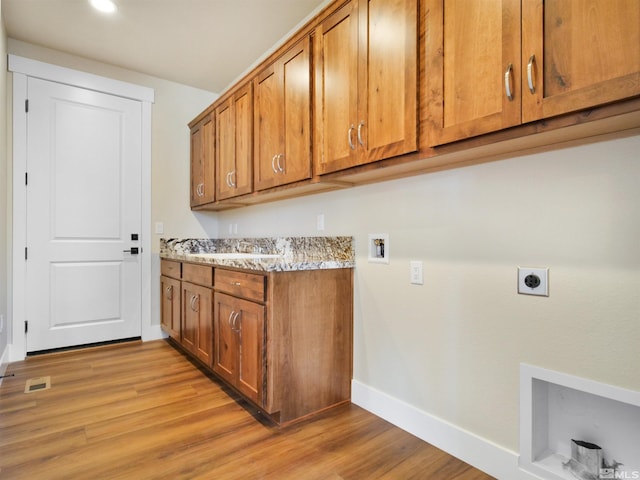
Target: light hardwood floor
[(143, 411)]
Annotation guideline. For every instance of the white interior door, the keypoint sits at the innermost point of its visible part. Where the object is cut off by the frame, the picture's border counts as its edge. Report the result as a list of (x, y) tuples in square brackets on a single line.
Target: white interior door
[(83, 212)]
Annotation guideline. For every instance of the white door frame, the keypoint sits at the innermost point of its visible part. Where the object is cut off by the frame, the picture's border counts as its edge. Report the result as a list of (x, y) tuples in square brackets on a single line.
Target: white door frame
[(23, 68)]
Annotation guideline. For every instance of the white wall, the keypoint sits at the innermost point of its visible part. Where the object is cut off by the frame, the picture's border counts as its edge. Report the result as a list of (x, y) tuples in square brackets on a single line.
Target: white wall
[(452, 347)]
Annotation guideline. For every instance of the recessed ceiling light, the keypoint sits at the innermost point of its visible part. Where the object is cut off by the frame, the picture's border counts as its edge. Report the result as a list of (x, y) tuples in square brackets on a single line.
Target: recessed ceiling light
[(106, 6)]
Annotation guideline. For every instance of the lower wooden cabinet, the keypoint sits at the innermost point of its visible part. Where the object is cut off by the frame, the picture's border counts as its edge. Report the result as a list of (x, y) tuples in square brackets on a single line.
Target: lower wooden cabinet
[(170, 311), (282, 339), (197, 320), (239, 344)]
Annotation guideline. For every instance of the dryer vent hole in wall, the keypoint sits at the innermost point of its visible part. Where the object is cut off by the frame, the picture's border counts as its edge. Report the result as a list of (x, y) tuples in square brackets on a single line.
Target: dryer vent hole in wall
[(37, 384)]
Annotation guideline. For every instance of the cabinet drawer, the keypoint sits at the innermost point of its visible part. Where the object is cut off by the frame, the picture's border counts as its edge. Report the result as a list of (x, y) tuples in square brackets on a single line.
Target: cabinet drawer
[(170, 268), (241, 284), (198, 274)]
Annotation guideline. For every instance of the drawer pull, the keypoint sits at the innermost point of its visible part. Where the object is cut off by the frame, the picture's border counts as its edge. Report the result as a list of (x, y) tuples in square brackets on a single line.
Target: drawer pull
[(236, 284)]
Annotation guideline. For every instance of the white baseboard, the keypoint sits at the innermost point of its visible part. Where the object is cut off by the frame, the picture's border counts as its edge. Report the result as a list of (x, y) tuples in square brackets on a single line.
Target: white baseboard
[(468, 447), (153, 332)]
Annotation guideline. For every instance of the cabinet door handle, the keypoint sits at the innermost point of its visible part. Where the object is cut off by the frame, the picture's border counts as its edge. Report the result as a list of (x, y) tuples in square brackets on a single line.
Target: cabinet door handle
[(230, 317), (351, 145), (232, 178), (235, 319), (280, 156), (170, 292), (507, 82), (530, 70), (195, 303), (200, 190), (273, 163), (360, 125)]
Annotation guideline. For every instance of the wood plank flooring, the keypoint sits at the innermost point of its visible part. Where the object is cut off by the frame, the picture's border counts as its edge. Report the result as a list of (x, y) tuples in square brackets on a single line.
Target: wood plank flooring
[(144, 411)]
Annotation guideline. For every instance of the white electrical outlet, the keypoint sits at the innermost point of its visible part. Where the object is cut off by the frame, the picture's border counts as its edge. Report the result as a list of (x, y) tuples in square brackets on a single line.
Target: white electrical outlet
[(533, 281), (320, 222), (416, 277)]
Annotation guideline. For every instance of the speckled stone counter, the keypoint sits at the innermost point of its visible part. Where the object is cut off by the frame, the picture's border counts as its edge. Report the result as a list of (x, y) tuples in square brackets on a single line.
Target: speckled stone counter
[(285, 253)]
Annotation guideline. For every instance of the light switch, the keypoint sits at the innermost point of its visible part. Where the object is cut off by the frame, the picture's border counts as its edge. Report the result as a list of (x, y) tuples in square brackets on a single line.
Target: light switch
[(416, 272)]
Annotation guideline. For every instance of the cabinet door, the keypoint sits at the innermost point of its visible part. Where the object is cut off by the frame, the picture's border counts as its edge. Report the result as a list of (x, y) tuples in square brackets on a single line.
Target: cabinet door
[(367, 83), (578, 54), (388, 80), (197, 320), (197, 164), (239, 344), (268, 127), (202, 163), (336, 76), (170, 306), (208, 190), (473, 68), (250, 330), (282, 140), (234, 127), (225, 351)]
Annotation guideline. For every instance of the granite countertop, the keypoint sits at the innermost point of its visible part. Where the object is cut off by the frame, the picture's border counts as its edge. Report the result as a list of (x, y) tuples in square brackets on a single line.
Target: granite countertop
[(280, 254)]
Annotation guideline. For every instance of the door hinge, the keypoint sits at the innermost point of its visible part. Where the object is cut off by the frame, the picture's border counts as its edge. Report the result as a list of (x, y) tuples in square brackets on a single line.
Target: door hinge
[(26, 326), (26, 105)]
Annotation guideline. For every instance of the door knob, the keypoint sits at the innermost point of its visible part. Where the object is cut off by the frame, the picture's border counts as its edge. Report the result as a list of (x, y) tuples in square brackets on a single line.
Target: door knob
[(133, 251)]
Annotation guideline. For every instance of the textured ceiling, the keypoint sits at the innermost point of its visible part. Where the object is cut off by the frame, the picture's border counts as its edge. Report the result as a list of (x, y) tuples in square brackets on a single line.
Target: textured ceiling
[(203, 43)]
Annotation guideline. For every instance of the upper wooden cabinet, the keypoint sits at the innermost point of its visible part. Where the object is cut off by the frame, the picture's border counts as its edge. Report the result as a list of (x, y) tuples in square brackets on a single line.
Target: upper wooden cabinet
[(493, 65), (202, 162), (366, 89), (234, 144), (578, 54), (282, 119), (366, 83)]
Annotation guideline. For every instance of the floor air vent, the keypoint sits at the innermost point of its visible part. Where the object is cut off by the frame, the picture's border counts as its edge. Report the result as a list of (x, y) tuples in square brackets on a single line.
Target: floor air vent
[(37, 384)]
